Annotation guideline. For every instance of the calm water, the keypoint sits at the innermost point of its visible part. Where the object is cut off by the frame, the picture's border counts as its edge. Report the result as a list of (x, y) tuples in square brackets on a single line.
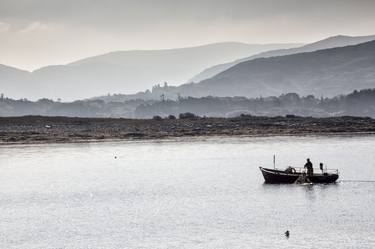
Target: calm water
[(185, 194)]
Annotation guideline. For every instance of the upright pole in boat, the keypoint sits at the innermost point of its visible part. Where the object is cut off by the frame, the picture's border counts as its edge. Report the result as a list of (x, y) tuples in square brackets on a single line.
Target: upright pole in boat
[(274, 162)]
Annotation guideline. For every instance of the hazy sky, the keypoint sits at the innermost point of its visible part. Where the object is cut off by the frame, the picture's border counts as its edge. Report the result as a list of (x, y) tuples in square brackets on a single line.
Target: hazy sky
[(34, 33)]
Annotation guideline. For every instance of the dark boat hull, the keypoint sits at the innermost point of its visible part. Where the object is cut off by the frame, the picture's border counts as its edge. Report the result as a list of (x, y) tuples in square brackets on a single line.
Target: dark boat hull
[(279, 176)]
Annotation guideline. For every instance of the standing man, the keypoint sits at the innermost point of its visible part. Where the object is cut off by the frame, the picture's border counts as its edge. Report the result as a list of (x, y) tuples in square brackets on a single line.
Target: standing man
[(309, 167)]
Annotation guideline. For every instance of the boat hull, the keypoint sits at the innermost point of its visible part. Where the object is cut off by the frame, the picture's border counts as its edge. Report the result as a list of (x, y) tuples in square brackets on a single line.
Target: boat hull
[(280, 176)]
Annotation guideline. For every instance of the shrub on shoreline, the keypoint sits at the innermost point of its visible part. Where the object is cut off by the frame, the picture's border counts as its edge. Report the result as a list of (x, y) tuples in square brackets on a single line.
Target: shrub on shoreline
[(187, 115)]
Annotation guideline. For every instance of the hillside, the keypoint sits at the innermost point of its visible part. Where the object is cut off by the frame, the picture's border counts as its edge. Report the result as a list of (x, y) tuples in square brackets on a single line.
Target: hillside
[(327, 72), (124, 71), (331, 42)]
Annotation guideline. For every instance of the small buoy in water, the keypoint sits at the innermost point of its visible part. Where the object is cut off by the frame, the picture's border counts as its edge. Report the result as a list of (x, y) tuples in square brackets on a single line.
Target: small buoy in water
[(287, 233), (115, 157)]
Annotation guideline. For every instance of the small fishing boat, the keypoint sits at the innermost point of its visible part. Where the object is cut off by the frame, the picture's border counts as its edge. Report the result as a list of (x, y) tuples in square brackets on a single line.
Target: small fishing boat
[(292, 175)]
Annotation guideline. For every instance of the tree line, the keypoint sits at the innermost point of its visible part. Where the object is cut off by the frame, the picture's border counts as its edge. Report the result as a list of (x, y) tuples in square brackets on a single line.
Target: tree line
[(357, 103)]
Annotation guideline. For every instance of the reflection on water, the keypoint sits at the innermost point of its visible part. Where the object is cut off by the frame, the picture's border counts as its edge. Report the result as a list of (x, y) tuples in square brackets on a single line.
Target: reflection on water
[(185, 194)]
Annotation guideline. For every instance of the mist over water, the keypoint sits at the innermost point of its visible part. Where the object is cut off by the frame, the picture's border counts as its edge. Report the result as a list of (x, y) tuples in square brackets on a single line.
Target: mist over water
[(185, 193)]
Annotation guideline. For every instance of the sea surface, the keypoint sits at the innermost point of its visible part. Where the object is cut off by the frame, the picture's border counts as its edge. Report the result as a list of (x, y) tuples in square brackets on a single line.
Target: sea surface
[(186, 193)]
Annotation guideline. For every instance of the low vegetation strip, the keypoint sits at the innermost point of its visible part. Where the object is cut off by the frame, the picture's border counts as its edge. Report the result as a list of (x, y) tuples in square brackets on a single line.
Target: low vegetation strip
[(40, 129)]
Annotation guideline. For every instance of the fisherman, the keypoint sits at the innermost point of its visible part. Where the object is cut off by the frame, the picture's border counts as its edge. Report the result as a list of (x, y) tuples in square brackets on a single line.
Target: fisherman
[(309, 167)]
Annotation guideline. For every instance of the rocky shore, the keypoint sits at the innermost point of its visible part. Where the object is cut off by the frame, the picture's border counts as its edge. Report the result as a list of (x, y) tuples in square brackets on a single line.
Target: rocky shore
[(40, 129)]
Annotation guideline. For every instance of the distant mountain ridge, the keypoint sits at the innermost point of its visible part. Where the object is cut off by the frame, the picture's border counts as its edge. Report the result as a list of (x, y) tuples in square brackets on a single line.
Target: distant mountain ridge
[(122, 71), (326, 72), (331, 42)]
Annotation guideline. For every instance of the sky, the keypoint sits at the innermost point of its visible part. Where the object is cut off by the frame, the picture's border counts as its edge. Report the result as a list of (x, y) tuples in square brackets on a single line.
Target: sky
[(36, 33)]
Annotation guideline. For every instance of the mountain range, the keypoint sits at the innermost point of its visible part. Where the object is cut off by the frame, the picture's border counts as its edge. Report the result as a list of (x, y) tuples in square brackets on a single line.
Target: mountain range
[(331, 42), (314, 68), (122, 71)]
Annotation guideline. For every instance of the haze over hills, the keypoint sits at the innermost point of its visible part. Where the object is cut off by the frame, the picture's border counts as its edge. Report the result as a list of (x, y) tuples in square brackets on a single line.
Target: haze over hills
[(122, 71), (14, 80), (331, 42)]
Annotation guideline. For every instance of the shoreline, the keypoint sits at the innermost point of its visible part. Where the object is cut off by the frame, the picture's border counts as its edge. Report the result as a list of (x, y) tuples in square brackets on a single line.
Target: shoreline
[(57, 130)]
